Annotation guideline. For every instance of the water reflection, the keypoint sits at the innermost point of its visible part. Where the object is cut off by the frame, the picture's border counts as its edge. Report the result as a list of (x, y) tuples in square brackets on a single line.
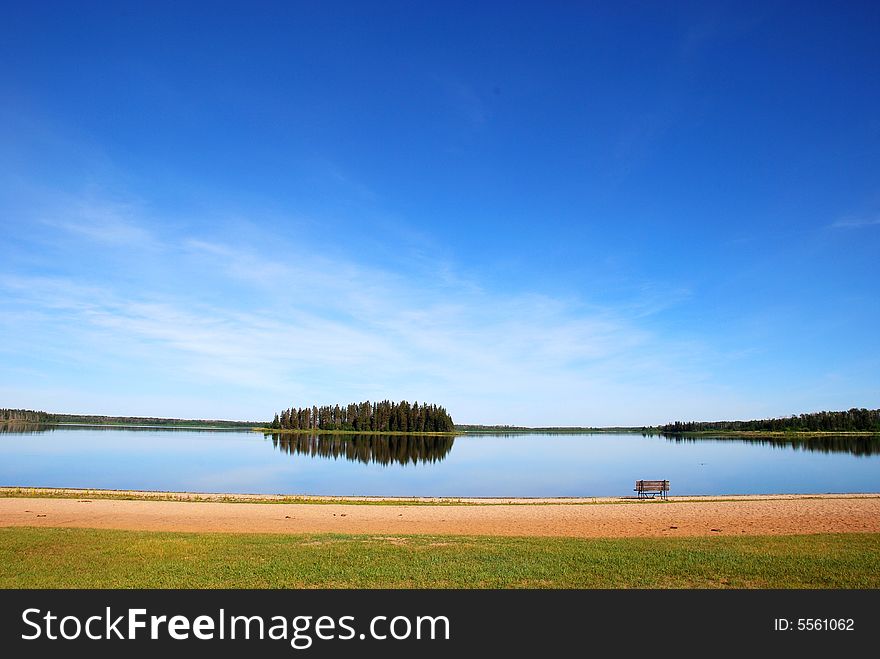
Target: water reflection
[(528, 465), (414, 449), (858, 445), (24, 428), (378, 449)]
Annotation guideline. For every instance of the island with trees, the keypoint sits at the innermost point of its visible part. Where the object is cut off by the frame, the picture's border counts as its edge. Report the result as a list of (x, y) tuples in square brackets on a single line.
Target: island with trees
[(366, 417)]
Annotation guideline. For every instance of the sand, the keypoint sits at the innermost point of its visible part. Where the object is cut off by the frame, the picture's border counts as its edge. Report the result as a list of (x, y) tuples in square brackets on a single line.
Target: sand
[(585, 518)]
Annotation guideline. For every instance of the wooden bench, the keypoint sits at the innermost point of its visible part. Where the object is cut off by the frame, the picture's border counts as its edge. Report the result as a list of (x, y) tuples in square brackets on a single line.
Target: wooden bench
[(650, 489)]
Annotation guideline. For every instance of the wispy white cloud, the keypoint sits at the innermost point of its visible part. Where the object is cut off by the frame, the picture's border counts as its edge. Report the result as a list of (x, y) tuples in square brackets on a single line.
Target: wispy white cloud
[(854, 222), (105, 222), (463, 98), (293, 324), (357, 188)]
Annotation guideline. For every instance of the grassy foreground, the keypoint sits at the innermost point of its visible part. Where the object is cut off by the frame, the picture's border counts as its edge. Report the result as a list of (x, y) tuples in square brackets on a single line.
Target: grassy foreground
[(92, 558)]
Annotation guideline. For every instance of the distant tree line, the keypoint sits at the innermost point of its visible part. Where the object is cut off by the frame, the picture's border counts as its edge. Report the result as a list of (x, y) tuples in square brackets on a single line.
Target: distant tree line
[(853, 420), (150, 421), (363, 417), (481, 427), (550, 430), (30, 416), (33, 416)]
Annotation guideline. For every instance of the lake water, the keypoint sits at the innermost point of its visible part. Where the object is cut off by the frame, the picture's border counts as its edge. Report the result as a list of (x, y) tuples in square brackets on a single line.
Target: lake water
[(531, 465)]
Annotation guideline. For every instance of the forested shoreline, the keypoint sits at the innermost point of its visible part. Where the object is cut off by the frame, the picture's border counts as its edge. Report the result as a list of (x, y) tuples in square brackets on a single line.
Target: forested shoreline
[(404, 417), (24, 416), (853, 420), (34, 416), (149, 421), (384, 416)]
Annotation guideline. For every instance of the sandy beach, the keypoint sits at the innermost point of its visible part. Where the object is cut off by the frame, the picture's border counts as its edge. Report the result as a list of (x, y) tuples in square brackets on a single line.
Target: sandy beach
[(612, 517)]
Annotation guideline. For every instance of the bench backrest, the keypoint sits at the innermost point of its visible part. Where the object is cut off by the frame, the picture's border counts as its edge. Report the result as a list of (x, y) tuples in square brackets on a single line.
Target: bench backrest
[(662, 486)]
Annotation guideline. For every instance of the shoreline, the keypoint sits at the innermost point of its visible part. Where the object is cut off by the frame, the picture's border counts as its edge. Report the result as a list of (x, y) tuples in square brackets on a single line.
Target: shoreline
[(386, 433), (256, 498), (583, 518), (651, 431)]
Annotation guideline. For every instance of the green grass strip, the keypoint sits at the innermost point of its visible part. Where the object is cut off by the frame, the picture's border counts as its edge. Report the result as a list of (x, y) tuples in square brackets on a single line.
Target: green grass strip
[(92, 558)]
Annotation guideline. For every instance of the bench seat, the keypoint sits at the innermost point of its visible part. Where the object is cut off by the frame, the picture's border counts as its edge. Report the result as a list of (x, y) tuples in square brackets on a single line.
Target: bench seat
[(650, 489)]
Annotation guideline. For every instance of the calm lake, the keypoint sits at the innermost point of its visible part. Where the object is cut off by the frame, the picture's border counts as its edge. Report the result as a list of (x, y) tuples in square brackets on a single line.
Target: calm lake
[(530, 465)]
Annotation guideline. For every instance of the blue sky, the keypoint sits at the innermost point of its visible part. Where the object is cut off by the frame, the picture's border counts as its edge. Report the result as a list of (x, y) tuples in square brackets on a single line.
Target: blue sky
[(532, 213)]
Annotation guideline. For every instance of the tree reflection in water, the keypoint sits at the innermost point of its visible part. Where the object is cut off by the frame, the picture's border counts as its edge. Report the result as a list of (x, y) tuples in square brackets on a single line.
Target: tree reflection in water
[(858, 445), (415, 449), (24, 428), (378, 449)]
